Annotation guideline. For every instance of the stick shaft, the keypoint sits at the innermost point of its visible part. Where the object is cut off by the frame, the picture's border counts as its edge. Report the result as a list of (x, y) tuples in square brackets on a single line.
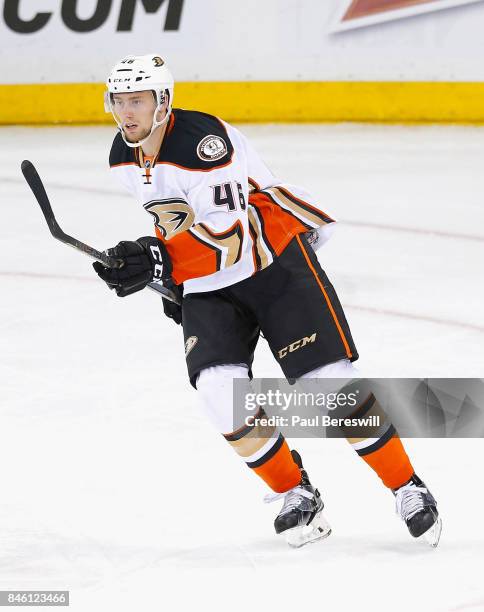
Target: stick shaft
[(35, 183)]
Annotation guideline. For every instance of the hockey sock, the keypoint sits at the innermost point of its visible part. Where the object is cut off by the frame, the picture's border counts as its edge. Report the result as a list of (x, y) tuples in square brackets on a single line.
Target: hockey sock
[(265, 450), (390, 462), (261, 446), (380, 447)]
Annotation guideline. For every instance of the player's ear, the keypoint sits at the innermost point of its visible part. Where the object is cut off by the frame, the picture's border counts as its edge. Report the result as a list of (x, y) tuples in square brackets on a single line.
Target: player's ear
[(165, 97), (162, 112)]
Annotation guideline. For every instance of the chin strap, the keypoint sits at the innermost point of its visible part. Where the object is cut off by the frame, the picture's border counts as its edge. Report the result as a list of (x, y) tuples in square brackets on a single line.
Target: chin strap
[(154, 125)]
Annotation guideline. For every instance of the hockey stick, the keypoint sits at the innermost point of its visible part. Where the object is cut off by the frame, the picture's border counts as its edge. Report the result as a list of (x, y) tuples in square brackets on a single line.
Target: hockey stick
[(35, 183)]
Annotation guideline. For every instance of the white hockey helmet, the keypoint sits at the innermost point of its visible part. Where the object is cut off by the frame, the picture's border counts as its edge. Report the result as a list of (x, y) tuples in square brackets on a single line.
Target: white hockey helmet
[(140, 73)]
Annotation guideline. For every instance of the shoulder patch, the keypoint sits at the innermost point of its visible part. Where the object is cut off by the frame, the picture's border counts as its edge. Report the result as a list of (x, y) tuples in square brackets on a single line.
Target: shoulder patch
[(211, 148), (197, 141)]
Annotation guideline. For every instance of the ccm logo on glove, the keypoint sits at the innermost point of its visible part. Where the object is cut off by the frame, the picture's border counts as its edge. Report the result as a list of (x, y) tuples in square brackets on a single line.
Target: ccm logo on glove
[(158, 259), (142, 261)]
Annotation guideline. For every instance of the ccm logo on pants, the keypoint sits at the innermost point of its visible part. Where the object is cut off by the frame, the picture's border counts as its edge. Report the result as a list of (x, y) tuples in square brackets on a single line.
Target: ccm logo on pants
[(294, 346)]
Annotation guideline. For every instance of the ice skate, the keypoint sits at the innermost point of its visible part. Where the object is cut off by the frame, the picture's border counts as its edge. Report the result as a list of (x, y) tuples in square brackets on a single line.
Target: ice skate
[(418, 508), (301, 518)]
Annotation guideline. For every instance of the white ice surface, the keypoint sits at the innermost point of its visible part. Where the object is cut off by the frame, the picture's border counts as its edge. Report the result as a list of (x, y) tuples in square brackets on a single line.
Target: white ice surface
[(113, 486)]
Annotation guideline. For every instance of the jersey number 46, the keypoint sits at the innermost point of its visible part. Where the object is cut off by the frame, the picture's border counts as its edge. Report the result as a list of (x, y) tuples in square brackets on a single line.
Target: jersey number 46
[(226, 194)]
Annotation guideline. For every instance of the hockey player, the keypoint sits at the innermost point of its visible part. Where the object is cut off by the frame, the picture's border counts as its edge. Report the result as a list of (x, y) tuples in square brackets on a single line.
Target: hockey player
[(233, 242)]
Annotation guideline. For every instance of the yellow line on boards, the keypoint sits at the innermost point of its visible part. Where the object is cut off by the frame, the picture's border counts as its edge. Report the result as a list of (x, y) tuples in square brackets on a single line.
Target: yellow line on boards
[(256, 101)]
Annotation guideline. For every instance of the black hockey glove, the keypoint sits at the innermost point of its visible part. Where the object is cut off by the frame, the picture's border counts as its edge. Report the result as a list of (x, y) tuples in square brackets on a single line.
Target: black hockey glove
[(144, 260), (172, 310)]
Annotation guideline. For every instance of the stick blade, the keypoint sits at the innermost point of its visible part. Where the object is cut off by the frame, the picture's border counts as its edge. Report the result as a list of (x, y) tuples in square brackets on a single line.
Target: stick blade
[(35, 183), (30, 173), (26, 164)]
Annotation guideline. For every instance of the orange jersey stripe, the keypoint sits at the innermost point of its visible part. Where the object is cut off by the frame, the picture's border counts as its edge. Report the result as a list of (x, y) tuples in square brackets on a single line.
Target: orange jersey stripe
[(163, 163), (279, 227), (125, 164), (190, 258), (194, 252)]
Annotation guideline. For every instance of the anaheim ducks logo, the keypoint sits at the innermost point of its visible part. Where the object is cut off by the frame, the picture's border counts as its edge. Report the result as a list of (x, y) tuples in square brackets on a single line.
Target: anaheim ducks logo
[(158, 61), (171, 216)]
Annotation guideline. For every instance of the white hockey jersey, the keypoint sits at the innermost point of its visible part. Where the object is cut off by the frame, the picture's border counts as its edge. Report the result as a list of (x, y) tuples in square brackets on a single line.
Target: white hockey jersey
[(221, 213)]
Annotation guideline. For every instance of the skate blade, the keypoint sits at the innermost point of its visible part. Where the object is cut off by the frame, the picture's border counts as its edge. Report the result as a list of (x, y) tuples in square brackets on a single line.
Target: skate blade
[(432, 535), (318, 529)]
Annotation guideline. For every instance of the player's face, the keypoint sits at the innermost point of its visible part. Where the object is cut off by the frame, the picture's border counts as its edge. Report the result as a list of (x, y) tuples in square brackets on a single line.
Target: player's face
[(135, 112)]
